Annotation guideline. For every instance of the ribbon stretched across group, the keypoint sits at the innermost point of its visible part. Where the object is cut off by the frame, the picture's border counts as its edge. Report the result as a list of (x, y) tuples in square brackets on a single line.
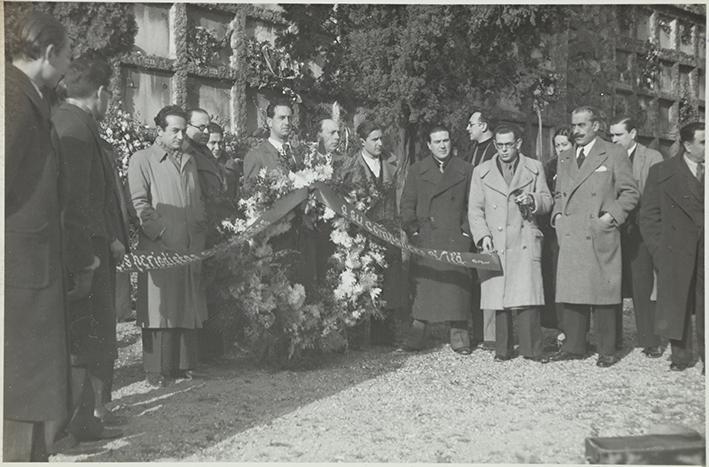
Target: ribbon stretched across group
[(140, 261)]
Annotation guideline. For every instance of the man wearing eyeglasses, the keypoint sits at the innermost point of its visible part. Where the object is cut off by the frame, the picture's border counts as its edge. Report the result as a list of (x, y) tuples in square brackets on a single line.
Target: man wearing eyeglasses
[(480, 128), (506, 194), (211, 174)]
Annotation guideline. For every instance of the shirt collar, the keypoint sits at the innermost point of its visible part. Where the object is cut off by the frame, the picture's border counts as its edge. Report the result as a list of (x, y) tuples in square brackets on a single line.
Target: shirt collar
[(631, 150), (587, 148), (276, 144), (691, 164)]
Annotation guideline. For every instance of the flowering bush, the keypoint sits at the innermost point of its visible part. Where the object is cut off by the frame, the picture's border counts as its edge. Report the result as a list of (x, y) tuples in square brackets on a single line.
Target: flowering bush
[(126, 135), (203, 47)]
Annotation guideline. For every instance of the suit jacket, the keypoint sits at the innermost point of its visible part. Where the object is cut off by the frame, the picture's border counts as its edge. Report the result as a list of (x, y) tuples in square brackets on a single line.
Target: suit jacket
[(492, 211), (89, 191), (36, 358), (672, 224), (355, 171), (590, 265), (263, 155)]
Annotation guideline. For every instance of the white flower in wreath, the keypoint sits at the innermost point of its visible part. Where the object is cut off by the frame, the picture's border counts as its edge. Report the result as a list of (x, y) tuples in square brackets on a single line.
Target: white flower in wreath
[(328, 214), (296, 296), (374, 293), (353, 262)]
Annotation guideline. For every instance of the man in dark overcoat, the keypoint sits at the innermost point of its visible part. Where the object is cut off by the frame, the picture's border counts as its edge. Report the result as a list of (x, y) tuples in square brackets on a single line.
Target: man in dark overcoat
[(481, 126), (672, 224), (638, 275), (595, 193), (91, 244), (372, 166), (434, 215), (36, 361)]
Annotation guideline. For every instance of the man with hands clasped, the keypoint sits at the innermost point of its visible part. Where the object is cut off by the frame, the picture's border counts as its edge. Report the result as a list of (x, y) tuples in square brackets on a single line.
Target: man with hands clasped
[(506, 194)]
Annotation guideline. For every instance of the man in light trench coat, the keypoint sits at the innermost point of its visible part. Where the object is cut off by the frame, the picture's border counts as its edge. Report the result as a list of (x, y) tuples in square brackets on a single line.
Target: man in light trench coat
[(171, 305), (595, 193), (506, 194)]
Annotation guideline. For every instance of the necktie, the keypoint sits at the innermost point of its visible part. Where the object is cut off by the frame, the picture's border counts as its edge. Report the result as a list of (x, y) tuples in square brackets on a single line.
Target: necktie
[(700, 172), (581, 158), (440, 166)]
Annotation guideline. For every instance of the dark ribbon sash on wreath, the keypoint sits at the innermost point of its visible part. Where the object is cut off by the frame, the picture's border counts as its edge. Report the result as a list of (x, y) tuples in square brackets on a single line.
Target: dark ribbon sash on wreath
[(140, 261)]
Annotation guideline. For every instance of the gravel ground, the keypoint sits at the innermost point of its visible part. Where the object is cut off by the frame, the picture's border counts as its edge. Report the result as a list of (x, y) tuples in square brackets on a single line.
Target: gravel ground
[(377, 405)]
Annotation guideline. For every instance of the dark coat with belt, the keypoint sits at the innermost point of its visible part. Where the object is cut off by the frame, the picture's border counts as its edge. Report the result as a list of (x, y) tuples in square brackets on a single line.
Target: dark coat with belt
[(36, 357), (672, 224), (590, 266), (91, 223), (355, 171), (434, 214)]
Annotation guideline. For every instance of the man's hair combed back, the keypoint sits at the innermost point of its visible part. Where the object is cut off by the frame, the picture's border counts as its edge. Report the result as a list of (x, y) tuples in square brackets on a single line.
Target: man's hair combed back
[(595, 113), (506, 129), (175, 110), (195, 110), (280, 102), (35, 32), (563, 131), (687, 132), (366, 127), (486, 116), (436, 128), (216, 128), (86, 75), (627, 122)]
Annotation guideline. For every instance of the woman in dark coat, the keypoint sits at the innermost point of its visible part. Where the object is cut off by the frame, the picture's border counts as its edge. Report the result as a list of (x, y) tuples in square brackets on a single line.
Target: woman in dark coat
[(551, 316), (36, 358), (434, 215)]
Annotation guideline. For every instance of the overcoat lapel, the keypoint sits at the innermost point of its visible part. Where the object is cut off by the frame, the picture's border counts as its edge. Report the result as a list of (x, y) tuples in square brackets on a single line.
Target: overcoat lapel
[(452, 175), (494, 180), (523, 175), (683, 187), (388, 171), (593, 160), (364, 170)]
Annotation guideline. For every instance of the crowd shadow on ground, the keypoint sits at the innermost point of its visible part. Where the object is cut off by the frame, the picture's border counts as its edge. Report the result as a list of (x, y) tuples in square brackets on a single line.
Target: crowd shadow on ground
[(233, 395)]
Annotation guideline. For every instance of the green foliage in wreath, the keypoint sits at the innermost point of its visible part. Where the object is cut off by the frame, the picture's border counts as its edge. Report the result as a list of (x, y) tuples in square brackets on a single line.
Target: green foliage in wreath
[(203, 47), (649, 66)]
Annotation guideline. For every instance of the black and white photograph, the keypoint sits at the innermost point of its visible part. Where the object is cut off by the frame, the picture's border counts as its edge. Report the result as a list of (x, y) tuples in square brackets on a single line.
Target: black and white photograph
[(354, 233)]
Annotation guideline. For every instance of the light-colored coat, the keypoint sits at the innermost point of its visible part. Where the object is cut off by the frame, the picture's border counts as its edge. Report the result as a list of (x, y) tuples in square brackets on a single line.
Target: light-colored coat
[(589, 268), (645, 158), (172, 218), (492, 211)]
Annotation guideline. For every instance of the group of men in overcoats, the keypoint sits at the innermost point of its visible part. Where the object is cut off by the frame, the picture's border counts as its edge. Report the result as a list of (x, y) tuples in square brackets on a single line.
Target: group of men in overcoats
[(607, 238)]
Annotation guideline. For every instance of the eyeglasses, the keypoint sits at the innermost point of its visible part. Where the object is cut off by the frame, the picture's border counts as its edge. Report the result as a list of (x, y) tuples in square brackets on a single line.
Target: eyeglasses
[(201, 128), (474, 123), (505, 145)]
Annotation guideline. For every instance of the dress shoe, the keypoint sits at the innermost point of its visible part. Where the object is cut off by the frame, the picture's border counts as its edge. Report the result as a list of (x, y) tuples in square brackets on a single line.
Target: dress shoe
[(105, 433), (604, 361), (538, 359), (463, 351), (156, 380), (111, 419), (500, 358), (678, 366), (562, 356), (486, 345), (66, 442), (653, 352)]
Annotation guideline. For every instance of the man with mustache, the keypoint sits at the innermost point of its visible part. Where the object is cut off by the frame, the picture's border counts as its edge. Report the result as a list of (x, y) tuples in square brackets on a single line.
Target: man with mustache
[(595, 193)]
